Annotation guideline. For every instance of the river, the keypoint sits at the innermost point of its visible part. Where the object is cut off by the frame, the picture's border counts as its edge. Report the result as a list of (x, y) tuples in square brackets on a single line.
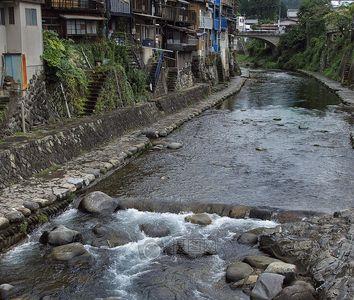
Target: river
[(283, 141)]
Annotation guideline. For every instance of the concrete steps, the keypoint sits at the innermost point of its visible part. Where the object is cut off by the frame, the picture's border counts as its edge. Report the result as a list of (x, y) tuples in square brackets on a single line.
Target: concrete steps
[(94, 88)]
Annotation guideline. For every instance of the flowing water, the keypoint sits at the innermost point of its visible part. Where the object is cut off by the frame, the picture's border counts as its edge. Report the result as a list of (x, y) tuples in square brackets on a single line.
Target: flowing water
[(250, 150)]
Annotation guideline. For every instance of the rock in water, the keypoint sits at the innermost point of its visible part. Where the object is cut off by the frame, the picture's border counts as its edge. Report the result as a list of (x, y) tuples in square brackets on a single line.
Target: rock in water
[(68, 252), (281, 268), (60, 235), (174, 145), (110, 237), (303, 126), (98, 203), (150, 133), (200, 219), (267, 286), (237, 271), (155, 230), (260, 261), (5, 290), (300, 290), (192, 248), (248, 238)]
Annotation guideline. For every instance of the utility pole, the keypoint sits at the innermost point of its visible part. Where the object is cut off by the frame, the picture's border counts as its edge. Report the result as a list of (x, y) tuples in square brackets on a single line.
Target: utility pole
[(279, 14)]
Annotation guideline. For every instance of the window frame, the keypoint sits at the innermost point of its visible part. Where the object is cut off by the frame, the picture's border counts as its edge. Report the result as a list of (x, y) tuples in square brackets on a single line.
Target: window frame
[(11, 15), (31, 17), (2, 16)]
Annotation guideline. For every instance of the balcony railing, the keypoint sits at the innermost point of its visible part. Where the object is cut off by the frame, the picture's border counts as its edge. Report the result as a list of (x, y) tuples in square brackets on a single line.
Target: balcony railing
[(120, 6), (74, 4), (178, 14), (177, 45), (228, 2), (141, 6)]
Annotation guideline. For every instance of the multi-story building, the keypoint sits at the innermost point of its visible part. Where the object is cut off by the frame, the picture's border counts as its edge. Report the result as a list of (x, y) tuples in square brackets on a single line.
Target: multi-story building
[(74, 18), (118, 13), (21, 44)]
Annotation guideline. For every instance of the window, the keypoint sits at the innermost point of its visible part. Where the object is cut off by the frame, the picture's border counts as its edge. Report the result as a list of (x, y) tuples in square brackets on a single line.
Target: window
[(81, 27), (2, 16), (31, 17), (11, 11)]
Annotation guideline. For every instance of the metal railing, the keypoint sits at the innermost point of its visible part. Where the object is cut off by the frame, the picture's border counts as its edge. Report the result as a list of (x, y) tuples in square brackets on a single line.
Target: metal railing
[(120, 6), (178, 14), (73, 4)]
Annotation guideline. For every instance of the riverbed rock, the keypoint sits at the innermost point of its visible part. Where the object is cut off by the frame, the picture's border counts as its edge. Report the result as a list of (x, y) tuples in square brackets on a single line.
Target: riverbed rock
[(191, 248), (261, 213), (60, 235), (303, 126), (277, 119), (4, 222), (200, 219), (249, 281), (150, 133), (239, 212), (31, 205), (5, 290), (248, 238), (267, 286), (282, 268), (174, 145), (98, 203), (260, 261), (155, 230), (15, 217), (109, 237), (237, 271), (68, 251), (25, 211), (300, 290)]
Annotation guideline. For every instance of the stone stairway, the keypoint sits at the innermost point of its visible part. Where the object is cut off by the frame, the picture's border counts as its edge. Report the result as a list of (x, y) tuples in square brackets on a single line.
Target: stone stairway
[(94, 88), (346, 73), (134, 60), (172, 79)]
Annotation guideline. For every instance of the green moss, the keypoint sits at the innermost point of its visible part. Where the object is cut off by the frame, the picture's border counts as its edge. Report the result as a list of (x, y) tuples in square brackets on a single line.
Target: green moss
[(48, 171), (23, 227), (42, 218)]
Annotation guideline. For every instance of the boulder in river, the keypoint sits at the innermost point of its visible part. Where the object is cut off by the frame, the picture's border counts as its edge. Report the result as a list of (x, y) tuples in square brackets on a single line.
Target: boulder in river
[(248, 238), (98, 203), (174, 145), (110, 237), (74, 254), (239, 211), (155, 230), (150, 133), (260, 213), (282, 268), (248, 282), (191, 248), (60, 235), (5, 290), (267, 286), (260, 261), (15, 217), (237, 271), (300, 290), (200, 219)]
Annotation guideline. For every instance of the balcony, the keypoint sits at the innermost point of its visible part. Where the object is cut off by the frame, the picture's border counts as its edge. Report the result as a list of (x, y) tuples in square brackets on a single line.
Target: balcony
[(229, 3), (141, 6), (73, 4), (178, 14), (223, 23), (120, 7), (206, 22), (177, 45)]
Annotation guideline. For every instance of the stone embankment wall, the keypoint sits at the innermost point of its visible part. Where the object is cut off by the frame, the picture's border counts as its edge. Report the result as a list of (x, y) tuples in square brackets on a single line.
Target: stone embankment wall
[(23, 159)]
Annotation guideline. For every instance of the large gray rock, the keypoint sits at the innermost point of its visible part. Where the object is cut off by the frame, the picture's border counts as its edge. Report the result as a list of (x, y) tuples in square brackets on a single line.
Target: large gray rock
[(60, 235), (281, 268), (5, 290), (174, 145), (15, 217), (4, 222), (68, 251), (267, 286), (109, 237), (237, 271), (191, 248), (155, 230), (259, 261), (31, 205), (248, 238), (98, 203), (300, 290), (200, 219)]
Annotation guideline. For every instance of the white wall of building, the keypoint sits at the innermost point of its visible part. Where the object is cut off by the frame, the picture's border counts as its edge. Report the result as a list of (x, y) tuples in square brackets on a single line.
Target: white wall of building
[(20, 38)]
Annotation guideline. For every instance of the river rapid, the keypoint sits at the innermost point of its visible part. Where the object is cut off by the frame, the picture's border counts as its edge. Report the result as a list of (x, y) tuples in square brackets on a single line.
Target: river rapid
[(283, 141)]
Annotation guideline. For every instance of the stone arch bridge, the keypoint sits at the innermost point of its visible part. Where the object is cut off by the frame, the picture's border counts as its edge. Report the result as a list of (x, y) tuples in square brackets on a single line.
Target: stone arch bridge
[(270, 37)]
